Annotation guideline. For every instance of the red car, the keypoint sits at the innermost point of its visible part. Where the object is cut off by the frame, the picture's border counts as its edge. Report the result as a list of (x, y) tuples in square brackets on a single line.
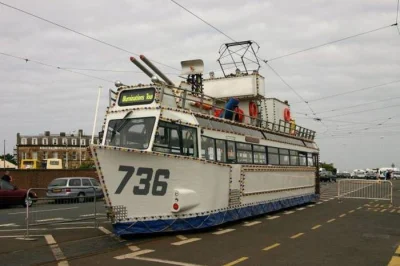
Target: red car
[(11, 195)]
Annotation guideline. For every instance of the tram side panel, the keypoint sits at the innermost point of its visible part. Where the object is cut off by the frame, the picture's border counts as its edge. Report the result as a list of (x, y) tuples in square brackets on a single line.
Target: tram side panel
[(147, 184), (275, 185)]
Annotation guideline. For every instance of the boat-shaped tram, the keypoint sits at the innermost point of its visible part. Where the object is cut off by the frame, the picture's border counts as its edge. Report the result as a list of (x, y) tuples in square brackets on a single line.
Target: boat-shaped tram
[(203, 152)]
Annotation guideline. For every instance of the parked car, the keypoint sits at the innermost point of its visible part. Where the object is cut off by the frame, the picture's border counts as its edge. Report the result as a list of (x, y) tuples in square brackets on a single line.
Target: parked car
[(80, 188), (11, 195), (327, 176), (396, 175)]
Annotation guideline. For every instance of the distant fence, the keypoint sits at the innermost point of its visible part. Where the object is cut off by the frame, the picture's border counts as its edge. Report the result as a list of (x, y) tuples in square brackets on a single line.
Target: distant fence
[(365, 189)]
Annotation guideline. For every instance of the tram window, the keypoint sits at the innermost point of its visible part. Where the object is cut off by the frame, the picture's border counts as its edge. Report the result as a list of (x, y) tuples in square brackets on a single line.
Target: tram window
[(130, 133), (231, 151), (208, 148), (260, 157), (284, 156), (189, 141), (221, 150), (244, 153), (294, 157), (310, 161), (273, 155), (303, 158), (259, 154)]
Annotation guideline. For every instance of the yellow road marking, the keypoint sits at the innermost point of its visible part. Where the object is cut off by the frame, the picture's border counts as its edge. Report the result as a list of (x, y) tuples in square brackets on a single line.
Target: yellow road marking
[(297, 235), (383, 210), (343, 215), (395, 261), (331, 220), (351, 211), (236, 261), (315, 227), (398, 250), (272, 246)]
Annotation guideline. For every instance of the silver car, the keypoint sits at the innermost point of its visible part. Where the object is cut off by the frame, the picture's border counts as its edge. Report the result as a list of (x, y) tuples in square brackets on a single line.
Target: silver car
[(80, 188)]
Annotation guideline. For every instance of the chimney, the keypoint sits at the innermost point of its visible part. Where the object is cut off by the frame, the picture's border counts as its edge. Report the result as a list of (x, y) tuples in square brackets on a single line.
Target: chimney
[(62, 134), (80, 132), (47, 133)]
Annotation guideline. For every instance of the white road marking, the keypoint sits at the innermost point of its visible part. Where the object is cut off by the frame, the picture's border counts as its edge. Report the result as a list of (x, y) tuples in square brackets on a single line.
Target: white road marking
[(273, 217), (300, 209), (183, 242), (181, 237), (165, 261), (92, 214), (19, 236), (47, 229), (309, 206), (288, 212), (252, 223), (133, 254), (221, 232), (51, 219), (58, 254), (104, 230), (12, 213), (7, 225), (319, 202), (326, 200)]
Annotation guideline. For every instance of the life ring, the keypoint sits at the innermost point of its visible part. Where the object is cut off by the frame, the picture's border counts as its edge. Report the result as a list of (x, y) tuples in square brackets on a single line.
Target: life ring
[(286, 114), (239, 115), (253, 110), (217, 112), (204, 106)]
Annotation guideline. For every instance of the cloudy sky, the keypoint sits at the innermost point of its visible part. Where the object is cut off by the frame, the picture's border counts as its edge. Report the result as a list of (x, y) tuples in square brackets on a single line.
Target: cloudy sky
[(357, 130)]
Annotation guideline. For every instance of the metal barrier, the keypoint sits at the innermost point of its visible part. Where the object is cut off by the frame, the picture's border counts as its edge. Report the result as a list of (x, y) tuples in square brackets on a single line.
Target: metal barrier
[(77, 206), (365, 189)]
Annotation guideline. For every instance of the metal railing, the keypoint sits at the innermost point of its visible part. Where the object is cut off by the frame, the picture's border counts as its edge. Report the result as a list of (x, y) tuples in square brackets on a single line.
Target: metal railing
[(187, 96), (365, 189), (46, 209)]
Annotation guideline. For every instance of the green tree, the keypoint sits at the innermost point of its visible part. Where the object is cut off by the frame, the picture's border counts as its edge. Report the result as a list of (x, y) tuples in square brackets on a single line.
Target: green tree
[(87, 165), (328, 167), (9, 158)]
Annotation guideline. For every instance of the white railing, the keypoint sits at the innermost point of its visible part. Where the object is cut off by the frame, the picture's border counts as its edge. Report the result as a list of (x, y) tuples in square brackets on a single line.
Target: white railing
[(365, 189)]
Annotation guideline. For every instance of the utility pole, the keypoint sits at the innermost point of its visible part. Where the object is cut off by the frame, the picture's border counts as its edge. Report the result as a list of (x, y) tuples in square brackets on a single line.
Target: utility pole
[(80, 148), (4, 155)]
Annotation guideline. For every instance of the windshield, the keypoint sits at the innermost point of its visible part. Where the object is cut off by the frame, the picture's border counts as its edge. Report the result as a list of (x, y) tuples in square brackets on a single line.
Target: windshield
[(58, 183), (130, 133)]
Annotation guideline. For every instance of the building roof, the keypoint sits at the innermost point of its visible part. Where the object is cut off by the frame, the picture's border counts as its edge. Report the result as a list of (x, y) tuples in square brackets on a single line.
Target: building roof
[(8, 164)]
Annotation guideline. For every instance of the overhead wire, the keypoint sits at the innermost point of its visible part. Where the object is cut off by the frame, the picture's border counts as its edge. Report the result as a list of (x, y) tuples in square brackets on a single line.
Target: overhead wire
[(332, 42), (53, 66), (349, 92), (80, 33), (220, 31)]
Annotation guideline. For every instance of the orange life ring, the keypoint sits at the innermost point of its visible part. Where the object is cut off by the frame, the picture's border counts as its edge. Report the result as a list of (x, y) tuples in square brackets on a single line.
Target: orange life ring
[(286, 114), (239, 114), (253, 110), (217, 112), (204, 106)]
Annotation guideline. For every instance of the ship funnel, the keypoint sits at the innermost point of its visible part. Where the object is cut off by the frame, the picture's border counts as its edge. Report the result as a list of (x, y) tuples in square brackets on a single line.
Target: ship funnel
[(155, 69), (141, 67)]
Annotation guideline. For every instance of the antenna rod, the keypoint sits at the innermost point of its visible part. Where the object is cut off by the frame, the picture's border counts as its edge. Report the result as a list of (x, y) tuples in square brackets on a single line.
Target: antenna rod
[(145, 70), (95, 116), (155, 69)]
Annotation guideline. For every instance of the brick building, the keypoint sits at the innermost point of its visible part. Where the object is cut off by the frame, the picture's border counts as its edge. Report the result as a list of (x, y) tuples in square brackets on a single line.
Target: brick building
[(70, 148)]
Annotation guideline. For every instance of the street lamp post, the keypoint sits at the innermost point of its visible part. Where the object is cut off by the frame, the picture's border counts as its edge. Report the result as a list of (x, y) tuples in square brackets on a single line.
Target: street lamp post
[(80, 149), (66, 155)]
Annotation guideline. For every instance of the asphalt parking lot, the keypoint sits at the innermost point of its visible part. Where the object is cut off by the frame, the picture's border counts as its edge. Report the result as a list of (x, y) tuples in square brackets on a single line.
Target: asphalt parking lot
[(329, 232)]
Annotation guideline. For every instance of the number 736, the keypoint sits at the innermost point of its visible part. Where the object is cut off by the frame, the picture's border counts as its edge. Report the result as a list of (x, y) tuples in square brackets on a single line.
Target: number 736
[(159, 188)]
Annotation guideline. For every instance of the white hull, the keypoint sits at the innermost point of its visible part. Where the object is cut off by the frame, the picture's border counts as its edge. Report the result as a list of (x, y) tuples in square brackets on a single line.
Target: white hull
[(152, 192)]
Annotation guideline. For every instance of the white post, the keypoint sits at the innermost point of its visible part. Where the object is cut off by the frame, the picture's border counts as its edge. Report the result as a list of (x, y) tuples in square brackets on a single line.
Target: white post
[(95, 115), (80, 149)]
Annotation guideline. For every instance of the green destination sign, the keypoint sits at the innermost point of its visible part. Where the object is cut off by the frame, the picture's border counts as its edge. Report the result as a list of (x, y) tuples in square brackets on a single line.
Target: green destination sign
[(136, 97)]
